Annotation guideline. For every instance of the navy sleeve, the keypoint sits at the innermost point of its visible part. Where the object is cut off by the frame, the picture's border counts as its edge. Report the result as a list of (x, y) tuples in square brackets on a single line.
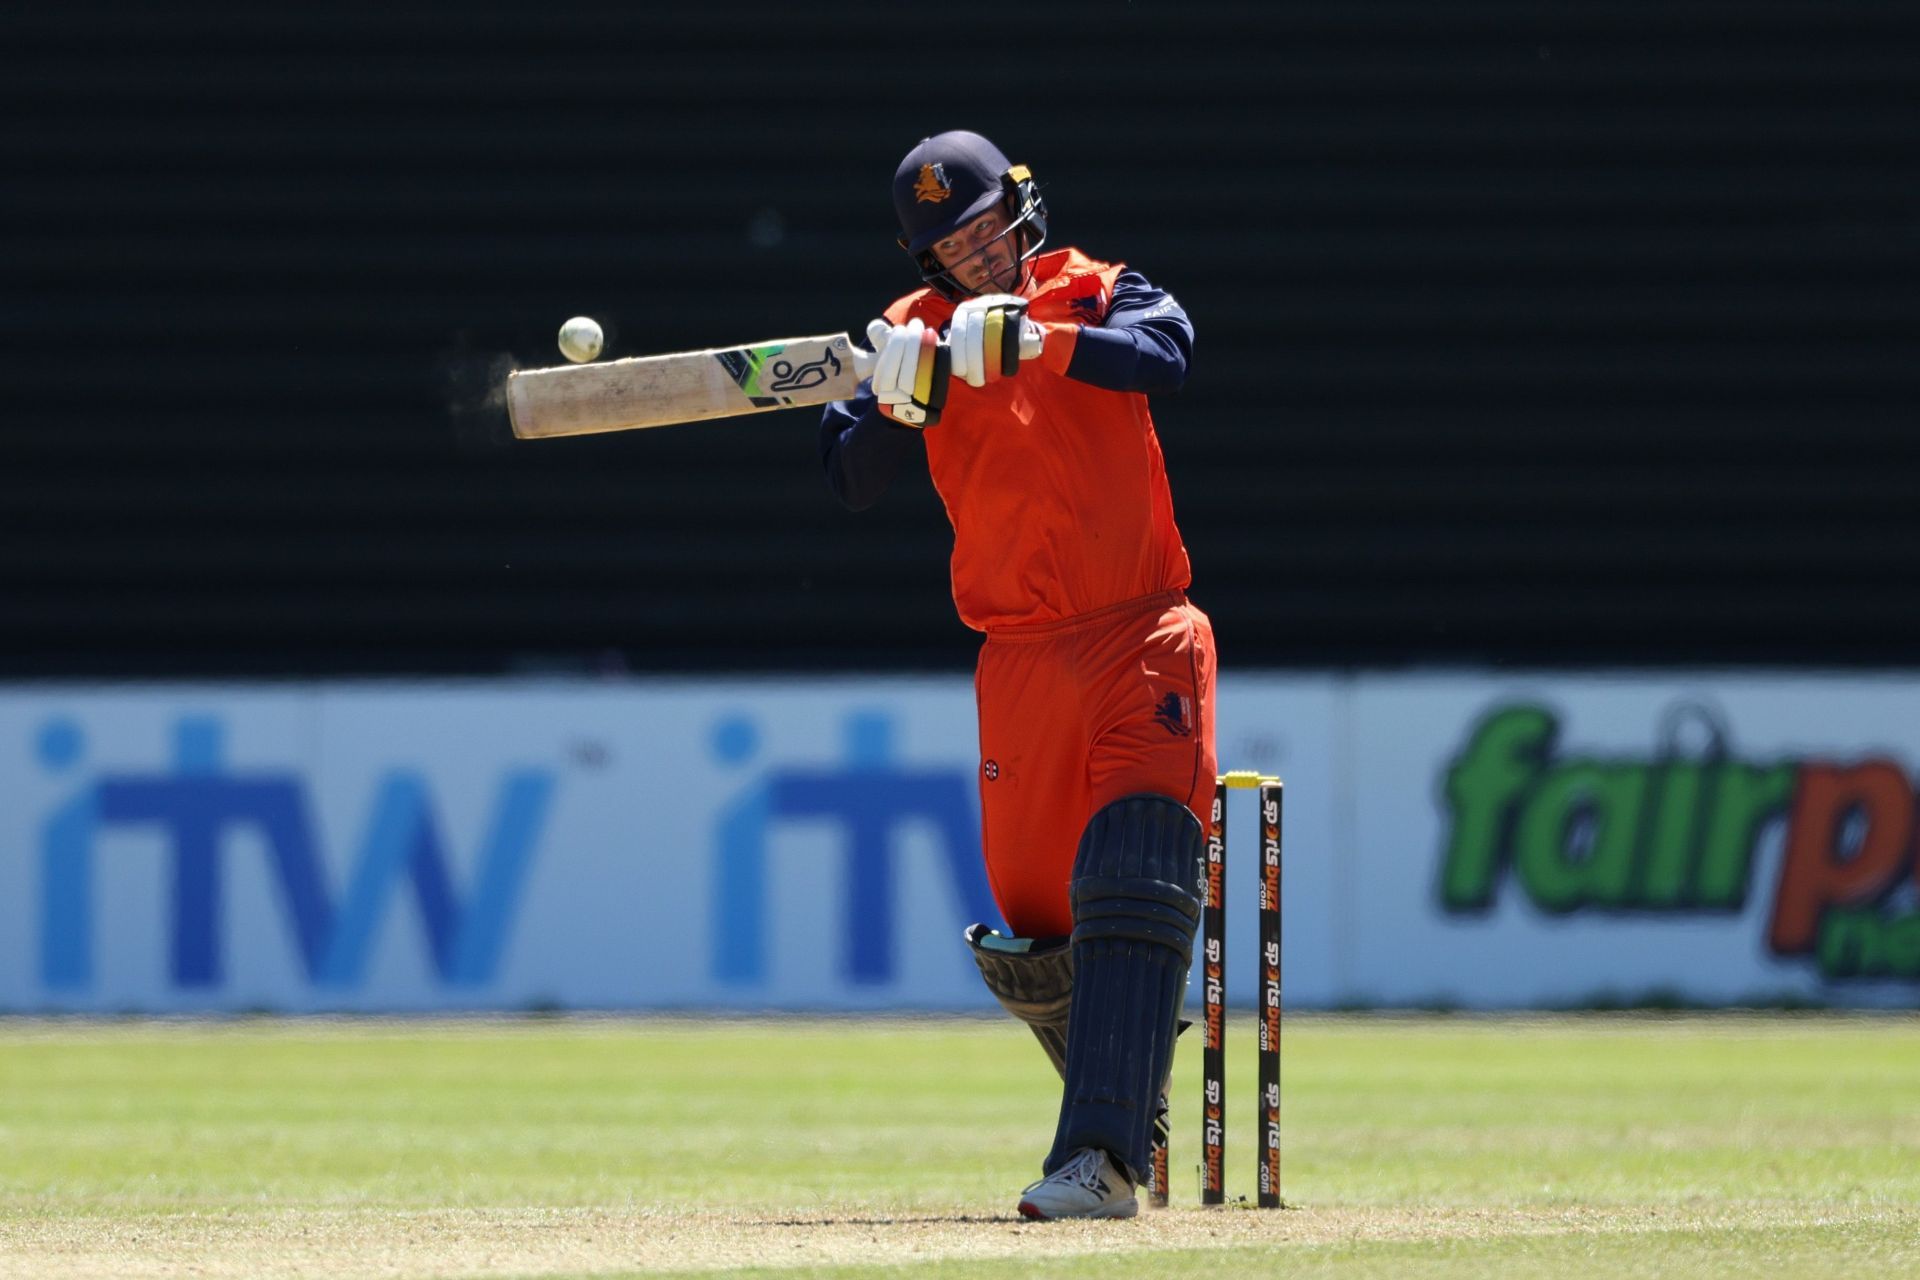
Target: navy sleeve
[(861, 450), (1145, 344)]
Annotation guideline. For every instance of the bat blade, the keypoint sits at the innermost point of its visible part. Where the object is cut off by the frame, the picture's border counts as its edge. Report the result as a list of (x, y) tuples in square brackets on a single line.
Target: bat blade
[(687, 386)]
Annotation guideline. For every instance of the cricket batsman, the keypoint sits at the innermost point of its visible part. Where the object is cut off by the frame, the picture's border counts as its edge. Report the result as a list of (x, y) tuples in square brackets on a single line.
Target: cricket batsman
[(1022, 376)]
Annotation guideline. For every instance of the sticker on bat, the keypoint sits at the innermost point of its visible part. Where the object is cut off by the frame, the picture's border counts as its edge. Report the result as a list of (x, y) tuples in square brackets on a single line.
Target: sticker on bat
[(789, 377)]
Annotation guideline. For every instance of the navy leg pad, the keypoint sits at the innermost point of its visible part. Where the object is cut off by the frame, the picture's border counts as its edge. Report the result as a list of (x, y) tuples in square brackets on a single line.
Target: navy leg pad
[(1136, 908)]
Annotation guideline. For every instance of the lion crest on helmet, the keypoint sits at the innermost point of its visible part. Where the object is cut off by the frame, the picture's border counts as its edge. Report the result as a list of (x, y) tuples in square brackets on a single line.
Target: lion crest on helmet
[(931, 187)]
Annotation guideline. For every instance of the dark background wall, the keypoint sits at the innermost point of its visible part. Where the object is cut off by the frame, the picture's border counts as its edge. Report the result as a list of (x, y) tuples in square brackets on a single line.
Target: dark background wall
[(1529, 332)]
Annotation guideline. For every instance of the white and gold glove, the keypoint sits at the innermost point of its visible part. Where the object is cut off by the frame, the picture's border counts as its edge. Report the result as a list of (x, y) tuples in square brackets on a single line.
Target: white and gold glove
[(990, 336), (909, 367)]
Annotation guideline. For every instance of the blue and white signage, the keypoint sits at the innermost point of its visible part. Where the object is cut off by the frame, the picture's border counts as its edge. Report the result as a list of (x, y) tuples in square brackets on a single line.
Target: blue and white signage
[(744, 844), (1487, 841)]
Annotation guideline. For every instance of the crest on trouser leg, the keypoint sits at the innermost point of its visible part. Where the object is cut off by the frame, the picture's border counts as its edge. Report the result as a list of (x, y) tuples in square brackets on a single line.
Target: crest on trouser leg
[(1174, 713)]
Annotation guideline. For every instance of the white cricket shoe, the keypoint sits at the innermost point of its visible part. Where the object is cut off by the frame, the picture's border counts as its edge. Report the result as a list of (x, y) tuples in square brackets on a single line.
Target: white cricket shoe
[(1087, 1186)]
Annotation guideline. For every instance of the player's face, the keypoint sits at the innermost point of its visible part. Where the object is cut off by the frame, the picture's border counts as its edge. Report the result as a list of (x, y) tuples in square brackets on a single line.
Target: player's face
[(981, 256)]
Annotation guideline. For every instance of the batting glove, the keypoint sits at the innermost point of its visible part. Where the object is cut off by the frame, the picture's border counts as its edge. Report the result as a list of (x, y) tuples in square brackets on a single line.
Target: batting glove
[(909, 370), (990, 336)]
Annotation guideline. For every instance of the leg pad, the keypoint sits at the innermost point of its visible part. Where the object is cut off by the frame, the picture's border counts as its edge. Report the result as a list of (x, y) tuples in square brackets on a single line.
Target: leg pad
[(1136, 908), (1032, 978)]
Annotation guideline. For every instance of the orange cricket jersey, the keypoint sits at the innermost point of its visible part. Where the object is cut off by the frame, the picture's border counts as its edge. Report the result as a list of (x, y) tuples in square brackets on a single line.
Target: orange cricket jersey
[(1056, 489)]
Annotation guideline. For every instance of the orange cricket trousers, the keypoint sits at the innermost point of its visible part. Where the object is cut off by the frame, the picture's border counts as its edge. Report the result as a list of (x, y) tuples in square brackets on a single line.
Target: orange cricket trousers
[(1074, 715)]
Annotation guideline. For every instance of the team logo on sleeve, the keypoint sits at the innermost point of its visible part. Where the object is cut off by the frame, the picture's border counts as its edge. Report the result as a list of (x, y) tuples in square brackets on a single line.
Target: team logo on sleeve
[(931, 187), (1089, 308)]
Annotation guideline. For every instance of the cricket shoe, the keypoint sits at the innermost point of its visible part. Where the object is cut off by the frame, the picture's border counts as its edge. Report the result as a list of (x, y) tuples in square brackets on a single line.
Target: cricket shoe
[(1087, 1186)]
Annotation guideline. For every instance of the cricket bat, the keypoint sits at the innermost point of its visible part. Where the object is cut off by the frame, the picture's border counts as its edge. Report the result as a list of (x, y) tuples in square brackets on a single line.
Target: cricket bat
[(688, 386)]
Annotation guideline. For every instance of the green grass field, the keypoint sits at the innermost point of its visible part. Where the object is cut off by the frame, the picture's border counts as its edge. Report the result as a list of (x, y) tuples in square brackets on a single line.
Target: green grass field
[(1427, 1147)]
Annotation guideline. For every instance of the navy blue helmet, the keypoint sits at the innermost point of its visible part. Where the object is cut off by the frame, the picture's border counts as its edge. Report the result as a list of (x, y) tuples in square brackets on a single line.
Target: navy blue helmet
[(952, 178)]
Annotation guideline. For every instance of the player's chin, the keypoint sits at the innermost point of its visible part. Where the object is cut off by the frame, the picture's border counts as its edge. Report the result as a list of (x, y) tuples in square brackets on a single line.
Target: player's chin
[(995, 280)]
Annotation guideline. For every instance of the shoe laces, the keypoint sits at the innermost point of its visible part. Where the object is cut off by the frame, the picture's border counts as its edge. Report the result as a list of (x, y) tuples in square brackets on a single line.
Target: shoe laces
[(1083, 1171)]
